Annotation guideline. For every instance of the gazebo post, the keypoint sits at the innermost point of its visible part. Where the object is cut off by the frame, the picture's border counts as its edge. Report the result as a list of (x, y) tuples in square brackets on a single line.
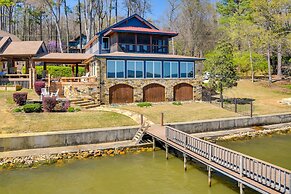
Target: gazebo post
[(44, 70), (73, 70), (26, 66), (77, 69)]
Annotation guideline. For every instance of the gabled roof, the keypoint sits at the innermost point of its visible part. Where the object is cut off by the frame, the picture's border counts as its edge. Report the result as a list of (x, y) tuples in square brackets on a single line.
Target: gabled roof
[(127, 19), (12, 36), (24, 48), (140, 30), (3, 42)]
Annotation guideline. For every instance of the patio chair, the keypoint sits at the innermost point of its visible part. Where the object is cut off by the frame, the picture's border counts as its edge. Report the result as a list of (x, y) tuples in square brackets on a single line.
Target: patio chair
[(44, 92), (56, 94), (85, 78)]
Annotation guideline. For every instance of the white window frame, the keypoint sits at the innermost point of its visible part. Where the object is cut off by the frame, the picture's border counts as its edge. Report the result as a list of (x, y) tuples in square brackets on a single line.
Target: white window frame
[(115, 68), (153, 66), (135, 62)]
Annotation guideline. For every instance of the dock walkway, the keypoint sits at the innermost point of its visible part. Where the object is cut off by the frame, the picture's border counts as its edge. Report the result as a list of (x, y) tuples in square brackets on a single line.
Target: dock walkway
[(246, 170)]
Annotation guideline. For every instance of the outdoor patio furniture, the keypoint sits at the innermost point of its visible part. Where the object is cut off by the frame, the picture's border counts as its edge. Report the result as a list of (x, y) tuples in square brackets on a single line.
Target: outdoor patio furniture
[(56, 94), (44, 92), (85, 78)]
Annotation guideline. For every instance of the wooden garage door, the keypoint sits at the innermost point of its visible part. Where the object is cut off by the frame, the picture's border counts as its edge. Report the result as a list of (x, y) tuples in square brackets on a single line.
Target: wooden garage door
[(120, 93), (154, 93), (183, 92)]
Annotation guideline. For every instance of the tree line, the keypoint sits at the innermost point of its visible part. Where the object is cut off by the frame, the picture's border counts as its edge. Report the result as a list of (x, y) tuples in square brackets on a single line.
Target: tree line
[(257, 31)]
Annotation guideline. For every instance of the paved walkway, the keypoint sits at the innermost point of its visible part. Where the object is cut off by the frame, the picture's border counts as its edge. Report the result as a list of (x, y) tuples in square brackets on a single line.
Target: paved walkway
[(68, 149), (133, 115)]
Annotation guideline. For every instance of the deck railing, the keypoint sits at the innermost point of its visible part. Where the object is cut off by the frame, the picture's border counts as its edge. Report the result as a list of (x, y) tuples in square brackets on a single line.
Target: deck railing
[(269, 175)]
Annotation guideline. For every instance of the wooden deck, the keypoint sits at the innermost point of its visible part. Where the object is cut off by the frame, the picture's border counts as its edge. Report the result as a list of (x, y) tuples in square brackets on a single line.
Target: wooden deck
[(251, 172)]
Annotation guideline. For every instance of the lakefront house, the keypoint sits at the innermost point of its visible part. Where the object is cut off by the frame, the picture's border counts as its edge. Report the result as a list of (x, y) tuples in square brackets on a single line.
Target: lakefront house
[(132, 64)]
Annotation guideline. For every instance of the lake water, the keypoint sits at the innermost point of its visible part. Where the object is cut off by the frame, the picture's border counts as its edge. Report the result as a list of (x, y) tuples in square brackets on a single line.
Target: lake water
[(146, 172)]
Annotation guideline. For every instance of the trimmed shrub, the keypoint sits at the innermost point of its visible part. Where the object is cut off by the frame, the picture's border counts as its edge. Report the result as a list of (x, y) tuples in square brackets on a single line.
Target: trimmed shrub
[(49, 103), (62, 106), (144, 104), (57, 71), (20, 98), (77, 109), (38, 85), (18, 109), (29, 108), (177, 103), (71, 109)]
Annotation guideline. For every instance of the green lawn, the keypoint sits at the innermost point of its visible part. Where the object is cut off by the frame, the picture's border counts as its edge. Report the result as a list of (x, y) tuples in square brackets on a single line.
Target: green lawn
[(37, 122), (267, 101), (267, 98)]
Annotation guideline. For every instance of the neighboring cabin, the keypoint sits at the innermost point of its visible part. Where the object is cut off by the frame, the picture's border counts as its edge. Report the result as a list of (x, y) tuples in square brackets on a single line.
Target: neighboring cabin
[(133, 64), (74, 44)]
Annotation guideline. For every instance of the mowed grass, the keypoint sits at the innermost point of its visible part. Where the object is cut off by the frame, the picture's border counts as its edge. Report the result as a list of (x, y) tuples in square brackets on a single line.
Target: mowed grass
[(267, 101), (267, 98), (186, 112), (40, 122)]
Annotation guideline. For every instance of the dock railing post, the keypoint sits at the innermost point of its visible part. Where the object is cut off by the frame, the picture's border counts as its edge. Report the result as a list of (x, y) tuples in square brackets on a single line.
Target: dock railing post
[(141, 119), (252, 108), (162, 119), (235, 105), (241, 186)]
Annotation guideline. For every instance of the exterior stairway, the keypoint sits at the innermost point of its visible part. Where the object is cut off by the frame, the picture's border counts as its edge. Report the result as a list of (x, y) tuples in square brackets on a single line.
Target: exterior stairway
[(85, 103), (139, 134)]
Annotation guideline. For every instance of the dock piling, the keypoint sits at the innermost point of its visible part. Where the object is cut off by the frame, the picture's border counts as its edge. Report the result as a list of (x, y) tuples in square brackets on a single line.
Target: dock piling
[(185, 162), (154, 144), (209, 176), (167, 151)]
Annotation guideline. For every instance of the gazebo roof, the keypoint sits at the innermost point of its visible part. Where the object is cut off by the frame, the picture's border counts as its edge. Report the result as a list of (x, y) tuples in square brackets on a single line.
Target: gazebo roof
[(66, 58)]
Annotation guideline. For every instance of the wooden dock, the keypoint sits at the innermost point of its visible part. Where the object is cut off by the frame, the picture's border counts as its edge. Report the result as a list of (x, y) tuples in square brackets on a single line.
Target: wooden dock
[(246, 170)]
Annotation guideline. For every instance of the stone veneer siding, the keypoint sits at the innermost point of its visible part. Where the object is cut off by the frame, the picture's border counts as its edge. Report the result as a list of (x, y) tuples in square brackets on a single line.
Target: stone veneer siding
[(139, 84)]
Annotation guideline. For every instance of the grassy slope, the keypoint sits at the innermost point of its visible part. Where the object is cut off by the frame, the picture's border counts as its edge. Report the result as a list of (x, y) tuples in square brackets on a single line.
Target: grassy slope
[(267, 98), (36, 122), (267, 102)]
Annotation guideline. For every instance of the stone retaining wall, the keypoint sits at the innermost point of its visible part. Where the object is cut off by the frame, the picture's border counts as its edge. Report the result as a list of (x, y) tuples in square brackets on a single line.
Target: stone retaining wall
[(231, 123), (65, 138)]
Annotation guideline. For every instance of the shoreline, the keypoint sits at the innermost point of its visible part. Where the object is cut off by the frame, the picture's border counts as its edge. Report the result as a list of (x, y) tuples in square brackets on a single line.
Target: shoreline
[(37, 160)]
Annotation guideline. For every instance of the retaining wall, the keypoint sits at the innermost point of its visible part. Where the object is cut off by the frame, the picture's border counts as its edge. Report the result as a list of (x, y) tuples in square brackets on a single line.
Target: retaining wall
[(230, 123), (65, 138)]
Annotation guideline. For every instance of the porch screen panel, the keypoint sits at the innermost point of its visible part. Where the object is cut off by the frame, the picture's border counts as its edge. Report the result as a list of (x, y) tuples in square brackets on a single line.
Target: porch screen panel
[(167, 69), (110, 69), (130, 69), (174, 69), (149, 69), (120, 69), (139, 69), (115, 69), (186, 69), (158, 69)]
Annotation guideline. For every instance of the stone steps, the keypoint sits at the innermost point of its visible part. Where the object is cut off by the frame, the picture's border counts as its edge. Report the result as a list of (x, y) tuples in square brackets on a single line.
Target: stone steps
[(84, 103)]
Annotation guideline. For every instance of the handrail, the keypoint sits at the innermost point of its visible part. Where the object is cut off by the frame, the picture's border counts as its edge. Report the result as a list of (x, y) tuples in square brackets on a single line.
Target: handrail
[(262, 172)]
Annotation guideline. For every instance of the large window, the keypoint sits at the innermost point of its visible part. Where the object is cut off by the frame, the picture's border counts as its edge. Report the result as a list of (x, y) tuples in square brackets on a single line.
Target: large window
[(186, 69), (115, 69), (135, 69), (153, 69), (171, 69)]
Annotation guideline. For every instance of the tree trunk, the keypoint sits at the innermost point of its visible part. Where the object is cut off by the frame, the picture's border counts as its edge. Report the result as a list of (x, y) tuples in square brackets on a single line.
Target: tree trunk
[(251, 60), (279, 66), (67, 26), (269, 63), (116, 3)]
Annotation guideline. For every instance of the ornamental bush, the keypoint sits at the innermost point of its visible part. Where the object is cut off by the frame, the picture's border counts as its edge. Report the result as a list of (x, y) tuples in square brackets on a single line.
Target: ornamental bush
[(38, 85), (29, 108), (144, 104), (58, 71), (49, 103), (20, 98)]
